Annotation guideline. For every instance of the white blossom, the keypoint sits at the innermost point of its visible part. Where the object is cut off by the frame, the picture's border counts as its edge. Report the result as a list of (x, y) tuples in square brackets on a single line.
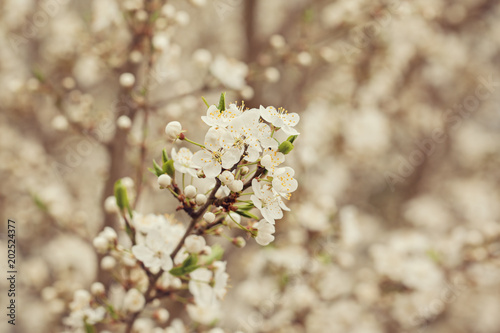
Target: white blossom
[(281, 118), (265, 232), (134, 301), (183, 161), (194, 243)]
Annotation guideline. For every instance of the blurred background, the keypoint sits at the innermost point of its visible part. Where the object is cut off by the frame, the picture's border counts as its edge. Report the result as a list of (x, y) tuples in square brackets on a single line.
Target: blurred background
[(395, 226)]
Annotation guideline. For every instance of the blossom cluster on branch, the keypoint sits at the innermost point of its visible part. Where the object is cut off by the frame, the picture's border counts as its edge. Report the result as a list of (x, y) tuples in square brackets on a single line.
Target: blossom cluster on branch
[(236, 173)]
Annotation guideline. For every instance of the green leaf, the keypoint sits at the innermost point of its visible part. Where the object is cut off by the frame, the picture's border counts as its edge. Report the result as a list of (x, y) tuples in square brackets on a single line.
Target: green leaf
[(158, 170), (121, 197), (39, 202), (222, 102), (112, 312), (89, 328), (189, 265), (216, 254), (164, 156), (246, 207), (169, 168), (38, 74), (153, 171), (246, 214), (205, 101), (292, 138)]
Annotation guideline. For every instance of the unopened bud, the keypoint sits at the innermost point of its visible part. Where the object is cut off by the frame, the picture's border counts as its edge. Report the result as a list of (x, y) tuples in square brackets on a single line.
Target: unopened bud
[(201, 199), (239, 241), (164, 181), (285, 147), (190, 191)]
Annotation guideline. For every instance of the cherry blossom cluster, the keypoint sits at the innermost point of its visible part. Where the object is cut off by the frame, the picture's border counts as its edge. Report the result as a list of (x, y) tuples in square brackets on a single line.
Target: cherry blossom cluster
[(243, 149), (236, 173)]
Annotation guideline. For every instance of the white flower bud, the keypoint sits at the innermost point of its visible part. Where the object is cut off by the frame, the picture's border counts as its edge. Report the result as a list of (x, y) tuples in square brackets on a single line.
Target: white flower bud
[(97, 288), (134, 300), (247, 92), (173, 129), (236, 186), (226, 177), (160, 42), (141, 15), (182, 18), (201, 199), (168, 10), (100, 244), (109, 234), (108, 263), (60, 123), (135, 56), (272, 74), (127, 80), (176, 283), (190, 191), (161, 316), (124, 122), (239, 241), (209, 217), (207, 250), (304, 58), (202, 57), (194, 243), (244, 170), (110, 205), (164, 180), (277, 41)]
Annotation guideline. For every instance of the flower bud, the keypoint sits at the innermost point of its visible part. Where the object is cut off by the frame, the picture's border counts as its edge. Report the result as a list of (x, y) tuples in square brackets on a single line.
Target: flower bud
[(226, 177), (173, 129), (161, 316), (124, 122), (110, 205), (244, 170), (201, 199), (190, 191), (109, 234), (97, 288), (101, 244), (134, 301), (285, 147), (127, 80), (194, 243), (108, 263), (239, 241), (209, 217), (164, 180), (236, 186)]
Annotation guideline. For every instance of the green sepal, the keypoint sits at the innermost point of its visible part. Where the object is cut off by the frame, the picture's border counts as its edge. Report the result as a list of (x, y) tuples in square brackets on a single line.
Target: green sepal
[(164, 156), (189, 265), (168, 168), (292, 138), (205, 101), (89, 328), (121, 197), (246, 207), (158, 170), (285, 147), (216, 254), (112, 312), (246, 214), (222, 102)]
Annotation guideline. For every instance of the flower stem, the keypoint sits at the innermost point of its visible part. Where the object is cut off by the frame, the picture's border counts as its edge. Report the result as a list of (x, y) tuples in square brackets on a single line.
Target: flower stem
[(194, 143)]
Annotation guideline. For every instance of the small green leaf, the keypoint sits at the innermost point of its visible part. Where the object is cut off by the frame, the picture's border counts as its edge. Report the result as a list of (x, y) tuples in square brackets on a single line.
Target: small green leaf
[(292, 138), (121, 197), (205, 101), (158, 170), (169, 168), (222, 102), (216, 254), (89, 328), (39, 203), (188, 265), (164, 156), (246, 214), (112, 312)]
